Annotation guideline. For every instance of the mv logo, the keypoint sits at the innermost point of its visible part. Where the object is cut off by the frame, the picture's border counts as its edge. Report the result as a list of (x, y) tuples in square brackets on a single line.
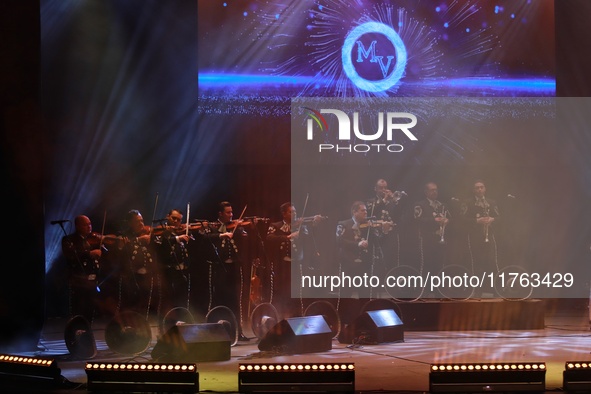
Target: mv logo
[(355, 52)]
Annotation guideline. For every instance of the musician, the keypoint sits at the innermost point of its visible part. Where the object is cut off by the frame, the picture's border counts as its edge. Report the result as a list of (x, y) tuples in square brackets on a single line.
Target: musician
[(139, 278), (287, 245), (479, 215), (83, 251), (356, 240), (431, 218), (227, 237), (386, 206), (173, 257)]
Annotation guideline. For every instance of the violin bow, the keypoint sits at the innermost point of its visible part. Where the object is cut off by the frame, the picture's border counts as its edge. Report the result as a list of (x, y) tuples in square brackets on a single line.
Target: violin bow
[(373, 206), (154, 214), (103, 230), (304, 211), (188, 215), (240, 218)]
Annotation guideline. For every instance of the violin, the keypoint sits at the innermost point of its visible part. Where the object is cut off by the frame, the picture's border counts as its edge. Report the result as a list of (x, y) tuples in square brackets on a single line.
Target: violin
[(182, 229), (143, 236), (391, 196), (193, 227), (238, 223), (153, 230), (97, 240), (198, 226), (160, 230), (146, 230), (310, 219), (252, 220), (257, 219), (94, 239)]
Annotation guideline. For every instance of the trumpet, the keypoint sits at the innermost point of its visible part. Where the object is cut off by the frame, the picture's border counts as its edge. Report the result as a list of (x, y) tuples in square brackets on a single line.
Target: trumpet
[(487, 224), (442, 233), (442, 225)]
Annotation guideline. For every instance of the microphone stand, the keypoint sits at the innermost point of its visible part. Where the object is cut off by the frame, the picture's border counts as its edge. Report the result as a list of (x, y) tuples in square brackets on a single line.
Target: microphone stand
[(63, 228)]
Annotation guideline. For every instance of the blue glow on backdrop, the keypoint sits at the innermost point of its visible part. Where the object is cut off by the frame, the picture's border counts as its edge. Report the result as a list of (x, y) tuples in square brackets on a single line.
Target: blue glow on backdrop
[(475, 40)]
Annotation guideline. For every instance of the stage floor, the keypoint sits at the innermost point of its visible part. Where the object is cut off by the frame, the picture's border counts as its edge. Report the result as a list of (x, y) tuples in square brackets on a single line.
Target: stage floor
[(386, 367)]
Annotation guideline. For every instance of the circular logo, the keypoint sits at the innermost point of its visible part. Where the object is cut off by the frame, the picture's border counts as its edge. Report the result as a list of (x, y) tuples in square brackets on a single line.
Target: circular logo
[(349, 45)]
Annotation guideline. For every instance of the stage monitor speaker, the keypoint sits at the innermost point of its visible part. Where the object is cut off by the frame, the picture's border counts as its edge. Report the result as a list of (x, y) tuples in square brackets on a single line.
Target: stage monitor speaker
[(373, 327), (193, 343), (296, 335)]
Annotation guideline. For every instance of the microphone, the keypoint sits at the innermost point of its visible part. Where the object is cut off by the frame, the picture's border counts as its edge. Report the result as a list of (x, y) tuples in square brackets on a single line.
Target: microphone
[(511, 196), (59, 221)]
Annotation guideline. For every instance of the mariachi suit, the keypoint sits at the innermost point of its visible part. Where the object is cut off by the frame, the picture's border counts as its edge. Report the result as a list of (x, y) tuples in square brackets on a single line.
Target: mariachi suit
[(173, 259), (83, 274), (432, 252), (387, 211), (285, 255), (227, 271), (139, 281), (482, 254), (354, 260)]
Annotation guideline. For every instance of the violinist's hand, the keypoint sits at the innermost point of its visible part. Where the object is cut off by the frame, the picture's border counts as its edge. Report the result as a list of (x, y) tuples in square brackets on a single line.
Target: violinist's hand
[(363, 244), (121, 242), (294, 235), (228, 235), (317, 219), (387, 227), (96, 253), (144, 239), (388, 195), (182, 238)]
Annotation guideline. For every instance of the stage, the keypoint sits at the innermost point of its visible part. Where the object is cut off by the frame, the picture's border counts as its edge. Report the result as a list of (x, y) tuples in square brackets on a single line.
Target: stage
[(537, 331)]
